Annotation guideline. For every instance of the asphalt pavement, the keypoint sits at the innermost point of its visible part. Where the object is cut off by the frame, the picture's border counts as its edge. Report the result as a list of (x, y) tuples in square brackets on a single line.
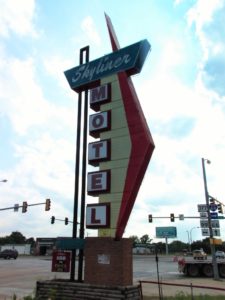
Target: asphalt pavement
[(19, 276)]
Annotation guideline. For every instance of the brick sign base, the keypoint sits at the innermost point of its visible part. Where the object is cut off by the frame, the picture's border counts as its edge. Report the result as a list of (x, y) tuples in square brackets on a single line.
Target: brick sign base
[(66, 290), (108, 262)]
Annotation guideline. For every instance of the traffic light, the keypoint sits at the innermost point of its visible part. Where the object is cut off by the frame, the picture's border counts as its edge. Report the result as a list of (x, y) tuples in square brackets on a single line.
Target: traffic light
[(52, 220), (24, 207), (47, 204), (66, 221), (172, 218), (220, 208), (150, 218), (211, 200)]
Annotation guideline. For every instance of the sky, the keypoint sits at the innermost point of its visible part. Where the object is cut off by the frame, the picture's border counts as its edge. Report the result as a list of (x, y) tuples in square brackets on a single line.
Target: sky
[(181, 90)]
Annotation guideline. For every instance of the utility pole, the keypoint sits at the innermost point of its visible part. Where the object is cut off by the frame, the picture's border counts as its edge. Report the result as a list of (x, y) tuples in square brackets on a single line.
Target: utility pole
[(214, 262)]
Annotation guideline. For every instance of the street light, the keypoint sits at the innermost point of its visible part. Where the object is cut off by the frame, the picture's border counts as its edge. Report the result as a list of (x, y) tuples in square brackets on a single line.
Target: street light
[(3, 180), (189, 243), (215, 267), (191, 233)]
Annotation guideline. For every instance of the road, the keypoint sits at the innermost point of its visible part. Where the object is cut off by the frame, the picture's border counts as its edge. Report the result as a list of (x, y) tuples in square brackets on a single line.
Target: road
[(19, 276)]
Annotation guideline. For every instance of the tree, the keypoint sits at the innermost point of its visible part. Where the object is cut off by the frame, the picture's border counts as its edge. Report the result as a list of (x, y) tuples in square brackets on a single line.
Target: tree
[(160, 247), (16, 238), (177, 246), (30, 241), (135, 239), (145, 239), (204, 244)]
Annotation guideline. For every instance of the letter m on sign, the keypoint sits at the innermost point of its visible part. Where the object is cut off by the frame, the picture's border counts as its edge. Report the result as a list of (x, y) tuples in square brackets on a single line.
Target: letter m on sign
[(100, 95)]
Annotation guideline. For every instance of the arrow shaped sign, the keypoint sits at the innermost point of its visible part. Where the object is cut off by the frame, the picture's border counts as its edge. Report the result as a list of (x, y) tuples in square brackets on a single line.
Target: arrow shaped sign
[(142, 144)]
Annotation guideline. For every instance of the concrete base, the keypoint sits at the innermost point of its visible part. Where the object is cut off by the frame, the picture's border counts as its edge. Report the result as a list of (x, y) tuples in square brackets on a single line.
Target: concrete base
[(108, 262)]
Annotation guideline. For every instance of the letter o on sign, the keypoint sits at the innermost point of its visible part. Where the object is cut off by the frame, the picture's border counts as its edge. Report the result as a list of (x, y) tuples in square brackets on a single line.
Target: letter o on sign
[(99, 122)]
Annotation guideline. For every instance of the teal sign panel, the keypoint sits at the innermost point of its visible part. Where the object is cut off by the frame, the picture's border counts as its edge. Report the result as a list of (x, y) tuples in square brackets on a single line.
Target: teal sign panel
[(129, 59), (169, 232), (70, 244)]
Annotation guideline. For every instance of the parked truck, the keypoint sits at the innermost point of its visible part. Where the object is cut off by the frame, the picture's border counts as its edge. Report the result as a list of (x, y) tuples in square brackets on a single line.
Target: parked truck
[(200, 267)]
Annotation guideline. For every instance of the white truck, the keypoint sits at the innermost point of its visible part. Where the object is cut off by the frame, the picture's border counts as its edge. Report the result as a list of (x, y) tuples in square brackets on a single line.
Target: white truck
[(200, 267)]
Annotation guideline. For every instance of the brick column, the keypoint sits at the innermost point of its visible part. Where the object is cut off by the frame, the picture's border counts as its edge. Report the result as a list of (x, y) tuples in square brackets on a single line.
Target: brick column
[(108, 262)]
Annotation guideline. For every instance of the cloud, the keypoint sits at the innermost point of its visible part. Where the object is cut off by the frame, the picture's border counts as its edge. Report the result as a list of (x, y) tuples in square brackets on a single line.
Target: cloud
[(90, 30), (17, 17), (208, 20), (55, 66), (47, 161)]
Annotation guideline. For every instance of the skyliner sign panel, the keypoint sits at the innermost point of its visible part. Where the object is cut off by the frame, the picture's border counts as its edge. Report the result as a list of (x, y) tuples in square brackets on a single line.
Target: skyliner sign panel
[(129, 59)]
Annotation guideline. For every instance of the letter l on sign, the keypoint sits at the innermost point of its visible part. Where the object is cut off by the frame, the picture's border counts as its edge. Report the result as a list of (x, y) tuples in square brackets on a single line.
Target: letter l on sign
[(94, 220)]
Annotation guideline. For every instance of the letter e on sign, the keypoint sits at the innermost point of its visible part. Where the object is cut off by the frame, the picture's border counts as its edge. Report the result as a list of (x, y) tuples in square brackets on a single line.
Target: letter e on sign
[(98, 182), (98, 215), (100, 95)]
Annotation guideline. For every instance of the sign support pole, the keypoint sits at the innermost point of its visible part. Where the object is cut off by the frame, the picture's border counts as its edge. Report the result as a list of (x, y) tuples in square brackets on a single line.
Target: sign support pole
[(166, 240), (77, 171), (84, 167)]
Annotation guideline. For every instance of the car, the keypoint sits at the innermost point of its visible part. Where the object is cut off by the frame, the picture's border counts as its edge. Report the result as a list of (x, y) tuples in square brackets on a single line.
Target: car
[(199, 254), (9, 253), (220, 254)]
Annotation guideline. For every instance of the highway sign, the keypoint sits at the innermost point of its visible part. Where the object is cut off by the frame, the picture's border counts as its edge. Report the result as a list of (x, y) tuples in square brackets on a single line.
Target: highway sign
[(216, 232), (213, 207), (215, 223), (204, 224), (214, 215), (202, 208), (203, 215), (181, 217), (205, 231), (163, 232)]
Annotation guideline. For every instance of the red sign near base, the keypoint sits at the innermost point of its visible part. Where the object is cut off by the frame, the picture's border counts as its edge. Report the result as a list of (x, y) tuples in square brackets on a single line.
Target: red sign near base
[(61, 261)]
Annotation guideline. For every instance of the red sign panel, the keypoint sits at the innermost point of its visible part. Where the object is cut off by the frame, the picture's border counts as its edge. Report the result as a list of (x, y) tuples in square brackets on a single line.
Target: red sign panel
[(61, 261)]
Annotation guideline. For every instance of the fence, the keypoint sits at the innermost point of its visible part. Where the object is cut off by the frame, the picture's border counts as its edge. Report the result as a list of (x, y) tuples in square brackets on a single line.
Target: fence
[(181, 285)]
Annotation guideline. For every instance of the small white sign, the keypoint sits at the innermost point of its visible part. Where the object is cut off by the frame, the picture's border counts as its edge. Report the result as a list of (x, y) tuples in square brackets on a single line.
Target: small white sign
[(16, 207), (203, 215), (181, 217), (205, 231), (104, 259), (215, 223), (202, 208), (204, 224), (216, 232)]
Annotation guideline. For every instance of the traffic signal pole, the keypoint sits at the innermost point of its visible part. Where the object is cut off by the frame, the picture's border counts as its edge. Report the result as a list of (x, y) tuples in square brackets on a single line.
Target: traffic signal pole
[(24, 204)]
